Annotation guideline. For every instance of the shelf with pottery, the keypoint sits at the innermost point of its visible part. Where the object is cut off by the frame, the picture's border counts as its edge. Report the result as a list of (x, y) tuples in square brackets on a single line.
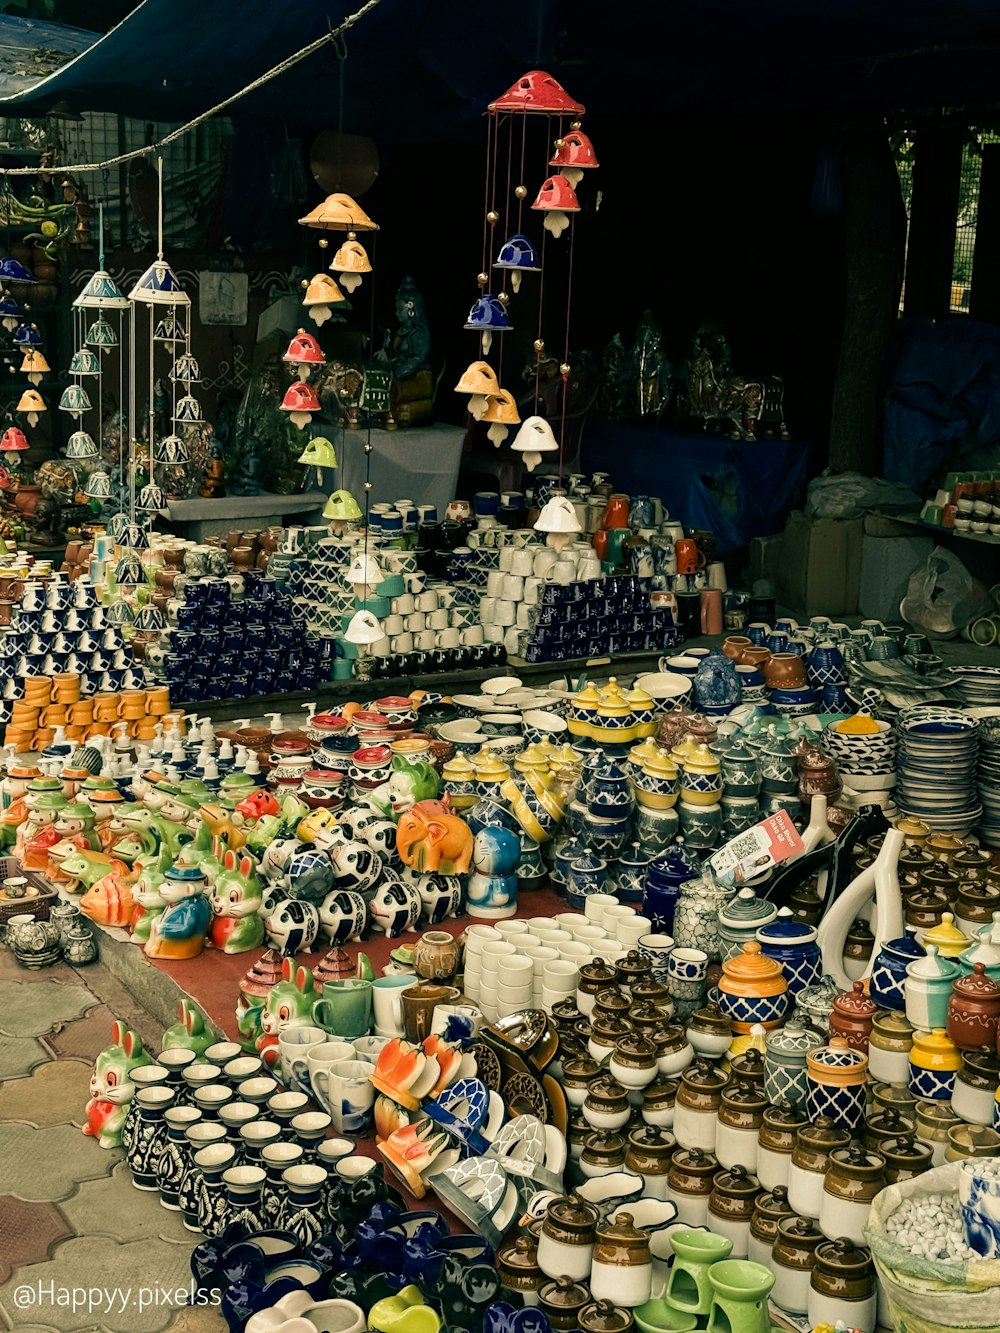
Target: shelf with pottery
[(200, 517)]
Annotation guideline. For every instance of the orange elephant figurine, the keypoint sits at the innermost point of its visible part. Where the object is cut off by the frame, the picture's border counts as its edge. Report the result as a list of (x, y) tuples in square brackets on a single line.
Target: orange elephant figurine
[(108, 901), (430, 837)]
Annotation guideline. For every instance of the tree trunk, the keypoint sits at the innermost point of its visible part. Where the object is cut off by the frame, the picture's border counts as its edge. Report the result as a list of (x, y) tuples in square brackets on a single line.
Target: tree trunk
[(872, 269)]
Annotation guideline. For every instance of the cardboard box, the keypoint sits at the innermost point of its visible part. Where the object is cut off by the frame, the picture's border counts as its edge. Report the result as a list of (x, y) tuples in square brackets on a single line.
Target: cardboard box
[(821, 565)]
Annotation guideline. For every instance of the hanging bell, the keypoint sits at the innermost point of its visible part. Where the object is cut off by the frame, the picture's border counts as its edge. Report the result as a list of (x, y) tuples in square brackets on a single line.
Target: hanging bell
[(555, 199), (167, 330), (134, 536), (487, 317), (532, 440), (537, 92), (559, 521), (299, 402), (74, 400), (304, 352), (340, 509), (117, 526), (319, 453), (574, 154), (149, 618), (32, 403), (27, 335), (518, 255), (85, 362), (365, 574), (171, 450), (129, 572), (10, 311), (98, 486), (188, 409), (339, 212), (480, 382), (321, 293), (501, 412), (350, 261), (35, 366), (101, 335), (151, 499), (186, 370), (13, 441), (81, 445), (364, 628), (12, 271), (119, 613), (159, 285), (101, 293)]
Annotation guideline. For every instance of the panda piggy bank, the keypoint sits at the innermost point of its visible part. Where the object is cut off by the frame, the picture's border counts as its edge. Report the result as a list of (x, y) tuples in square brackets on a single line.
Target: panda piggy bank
[(492, 891)]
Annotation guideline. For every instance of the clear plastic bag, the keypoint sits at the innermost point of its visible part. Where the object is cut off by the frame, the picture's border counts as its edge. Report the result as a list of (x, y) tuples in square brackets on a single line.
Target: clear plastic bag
[(942, 596)]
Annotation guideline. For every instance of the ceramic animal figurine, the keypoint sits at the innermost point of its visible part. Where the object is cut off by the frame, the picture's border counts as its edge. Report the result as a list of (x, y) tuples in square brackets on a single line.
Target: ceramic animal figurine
[(149, 903), (222, 826), (440, 895), (190, 1032), (111, 1088), (257, 805), (236, 923), (343, 917), (179, 931), (289, 1003), (393, 907), (82, 868), (492, 891), (356, 866), (160, 835), (412, 781), (292, 926), (108, 901), (431, 838)]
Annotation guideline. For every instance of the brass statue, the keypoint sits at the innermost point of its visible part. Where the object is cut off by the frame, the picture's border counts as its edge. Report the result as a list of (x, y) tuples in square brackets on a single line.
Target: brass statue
[(714, 396)]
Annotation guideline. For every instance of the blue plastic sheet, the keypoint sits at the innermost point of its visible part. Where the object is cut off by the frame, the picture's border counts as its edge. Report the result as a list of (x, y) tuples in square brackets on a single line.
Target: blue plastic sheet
[(735, 489)]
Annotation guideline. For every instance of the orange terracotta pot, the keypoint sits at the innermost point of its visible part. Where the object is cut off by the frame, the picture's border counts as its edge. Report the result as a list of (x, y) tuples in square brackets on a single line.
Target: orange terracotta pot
[(755, 657), (785, 671), (735, 645)]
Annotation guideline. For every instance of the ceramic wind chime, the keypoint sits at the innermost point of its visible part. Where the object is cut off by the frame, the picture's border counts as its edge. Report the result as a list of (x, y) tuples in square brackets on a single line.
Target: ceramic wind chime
[(535, 94)]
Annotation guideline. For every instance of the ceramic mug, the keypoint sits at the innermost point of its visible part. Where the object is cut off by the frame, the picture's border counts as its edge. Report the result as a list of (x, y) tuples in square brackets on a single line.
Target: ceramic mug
[(345, 1091), (419, 1003), (690, 557), (293, 1047), (345, 1007), (388, 1004), (320, 1055)]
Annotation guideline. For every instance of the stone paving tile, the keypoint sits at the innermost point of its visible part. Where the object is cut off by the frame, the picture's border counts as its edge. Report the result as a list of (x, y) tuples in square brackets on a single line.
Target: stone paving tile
[(28, 1232), (31, 1011), (85, 1038), (40, 1165), (19, 1055), (95, 1262), (55, 1094), (198, 1319), (11, 970), (111, 1207)]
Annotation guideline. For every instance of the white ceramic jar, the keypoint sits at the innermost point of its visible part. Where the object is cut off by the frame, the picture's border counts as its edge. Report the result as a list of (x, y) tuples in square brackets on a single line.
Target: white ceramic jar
[(775, 1143), (622, 1268), (566, 1240), (791, 1262), (696, 1112), (810, 1159), (740, 1118), (855, 1175)]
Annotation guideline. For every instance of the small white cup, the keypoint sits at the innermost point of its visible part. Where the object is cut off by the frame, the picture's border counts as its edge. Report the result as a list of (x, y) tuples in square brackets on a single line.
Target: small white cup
[(426, 640), (448, 638), (522, 561), (476, 938), (596, 904), (506, 614), (415, 622), (630, 931), (427, 600), (405, 604), (575, 951), (393, 624), (509, 929), (494, 583), (513, 587), (437, 619), (472, 636), (561, 976), (401, 643)]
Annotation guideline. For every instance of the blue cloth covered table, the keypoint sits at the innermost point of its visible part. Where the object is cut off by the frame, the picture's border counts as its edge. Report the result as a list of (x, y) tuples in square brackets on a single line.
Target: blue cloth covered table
[(758, 484)]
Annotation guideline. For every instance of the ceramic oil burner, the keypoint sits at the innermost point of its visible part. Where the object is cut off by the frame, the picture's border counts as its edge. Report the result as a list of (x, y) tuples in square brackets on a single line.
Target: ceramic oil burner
[(648, 1154), (853, 1178), (709, 1032), (889, 1047), (792, 943), (975, 1093), (741, 1115), (842, 1285), (562, 1300), (810, 1159), (521, 1279), (934, 1062), (793, 1256), (622, 1269), (775, 1144), (740, 919), (688, 1287), (974, 1010), (659, 1102), (835, 1083), (888, 976), (730, 1207), (851, 1017), (929, 988), (696, 1114), (785, 1062), (753, 989), (567, 1238), (690, 1184), (770, 1208)]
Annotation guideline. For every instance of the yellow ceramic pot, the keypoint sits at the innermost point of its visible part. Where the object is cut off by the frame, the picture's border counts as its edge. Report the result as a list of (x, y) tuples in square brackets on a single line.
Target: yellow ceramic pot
[(615, 721), (643, 710), (701, 778), (752, 989), (947, 938), (583, 712)]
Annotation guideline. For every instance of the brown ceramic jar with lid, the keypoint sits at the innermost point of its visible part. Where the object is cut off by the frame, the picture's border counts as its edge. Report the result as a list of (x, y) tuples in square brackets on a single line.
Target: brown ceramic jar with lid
[(943, 846), (842, 1285), (858, 948), (603, 1153), (939, 875), (595, 976), (648, 1018), (934, 1120), (566, 1241), (975, 1092), (974, 1010), (709, 1031), (914, 858), (578, 1131), (623, 1266), (649, 1153), (889, 1047), (741, 1114), (925, 908), (606, 1105), (975, 904), (690, 1183), (730, 1207), (971, 862), (882, 1126), (810, 1158), (609, 1002), (648, 990), (697, 1110), (792, 1258), (748, 1067), (895, 1096), (852, 1016), (562, 1300), (853, 1178), (632, 968), (578, 1074), (605, 1033), (904, 1157), (658, 1100), (517, 1265), (605, 1317), (770, 1208), (775, 1143)]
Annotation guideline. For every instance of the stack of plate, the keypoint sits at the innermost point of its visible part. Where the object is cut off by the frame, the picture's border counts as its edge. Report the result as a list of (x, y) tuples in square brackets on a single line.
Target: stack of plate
[(979, 685), (988, 774), (936, 762)]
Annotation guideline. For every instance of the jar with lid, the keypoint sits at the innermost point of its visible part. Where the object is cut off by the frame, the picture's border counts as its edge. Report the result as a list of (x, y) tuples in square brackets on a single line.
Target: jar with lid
[(595, 976), (690, 1183), (606, 1104), (741, 1114), (853, 1178), (792, 943), (752, 989), (975, 904), (562, 1300), (605, 1317), (520, 1277), (577, 1076), (810, 1158), (609, 1002), (792, 1258), (740, 919), (842, 1286), (905, 1157), (984, 949), (748, 1063), (709, 1031), (949, 941), (785, 1062), (858, 949), (894, 1096), (928, 989), (882, 1126), (775, 1142), (650, 991), (622, 1270), (603, 1153), (632, 968), (815, 1004), (605, 1033), (934, 1120), (974, 1096), (673, 1050), (973, 1018), (696, 917), (664, 878), (730, 1207), (926, 907), (888, 976), (696, 1114), (770, 1208), (836, 1077), (971, 1141), (971, 862), (852, 1016), (934, 1062), (889, 1047), (648, 1154), (566, 1241), (659, 1099)]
